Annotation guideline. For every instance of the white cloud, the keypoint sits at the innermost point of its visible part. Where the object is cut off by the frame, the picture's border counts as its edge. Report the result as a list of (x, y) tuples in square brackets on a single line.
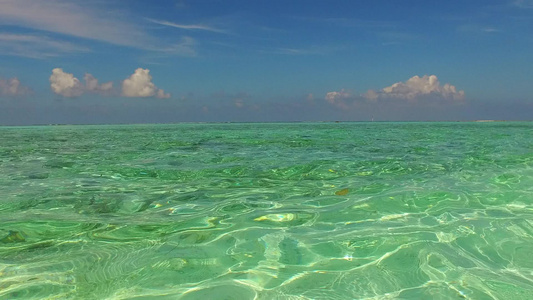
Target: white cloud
[(12, 87), (102, 21), (417, 87), (35, 46), (75, 19), (185, 47), (478, 29), (65, 84), (139, 84), (186, 27), (336, 97)]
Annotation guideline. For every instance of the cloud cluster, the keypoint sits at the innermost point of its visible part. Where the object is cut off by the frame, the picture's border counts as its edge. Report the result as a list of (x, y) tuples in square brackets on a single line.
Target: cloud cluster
[(65, 84), (12, 87), (416, 88), (139, 84)]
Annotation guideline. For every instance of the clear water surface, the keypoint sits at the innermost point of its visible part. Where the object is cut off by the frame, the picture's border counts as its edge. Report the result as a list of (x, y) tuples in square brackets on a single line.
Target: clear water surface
[(267, 211)]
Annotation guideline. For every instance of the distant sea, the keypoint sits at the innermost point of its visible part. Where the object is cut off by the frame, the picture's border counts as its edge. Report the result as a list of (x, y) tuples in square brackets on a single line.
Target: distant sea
[(267, 211)]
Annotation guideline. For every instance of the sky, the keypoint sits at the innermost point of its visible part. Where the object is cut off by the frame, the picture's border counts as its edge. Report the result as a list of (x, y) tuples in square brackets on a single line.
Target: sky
[(166, 61)]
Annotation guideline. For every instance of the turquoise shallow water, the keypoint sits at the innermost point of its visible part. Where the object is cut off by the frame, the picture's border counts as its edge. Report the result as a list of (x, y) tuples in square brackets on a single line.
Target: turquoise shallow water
[(267, 211)]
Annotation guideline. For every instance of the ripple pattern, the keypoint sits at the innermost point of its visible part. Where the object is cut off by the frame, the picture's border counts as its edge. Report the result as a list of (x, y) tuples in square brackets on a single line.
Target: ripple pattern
[(267, 211)]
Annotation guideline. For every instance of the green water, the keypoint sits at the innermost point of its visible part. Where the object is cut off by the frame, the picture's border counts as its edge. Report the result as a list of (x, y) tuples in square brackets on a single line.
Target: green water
[(267, 211)]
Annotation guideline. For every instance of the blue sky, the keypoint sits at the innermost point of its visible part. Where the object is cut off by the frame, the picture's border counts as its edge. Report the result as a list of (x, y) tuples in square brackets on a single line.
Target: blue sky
[(133, 61)]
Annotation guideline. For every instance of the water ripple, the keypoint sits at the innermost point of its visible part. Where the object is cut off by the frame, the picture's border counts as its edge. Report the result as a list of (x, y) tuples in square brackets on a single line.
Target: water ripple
[(267, 211)]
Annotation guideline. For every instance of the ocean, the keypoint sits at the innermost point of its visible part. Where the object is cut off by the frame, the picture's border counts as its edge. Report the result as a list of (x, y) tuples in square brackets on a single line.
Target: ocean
[(376, 210)]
